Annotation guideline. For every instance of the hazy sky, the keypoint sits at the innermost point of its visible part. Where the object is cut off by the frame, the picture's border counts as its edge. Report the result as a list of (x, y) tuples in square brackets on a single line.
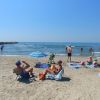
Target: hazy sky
[(50, 20)]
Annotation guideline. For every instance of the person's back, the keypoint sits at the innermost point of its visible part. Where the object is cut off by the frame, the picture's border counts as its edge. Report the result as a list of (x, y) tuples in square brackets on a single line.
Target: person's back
[(69, 49), (69, 53), (20, 69)]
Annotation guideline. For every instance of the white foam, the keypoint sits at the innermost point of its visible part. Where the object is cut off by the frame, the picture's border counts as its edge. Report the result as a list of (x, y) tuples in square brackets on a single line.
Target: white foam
[(12, 55)]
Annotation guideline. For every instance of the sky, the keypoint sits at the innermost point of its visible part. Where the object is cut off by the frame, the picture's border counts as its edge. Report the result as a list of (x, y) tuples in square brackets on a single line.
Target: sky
[(50, 20)]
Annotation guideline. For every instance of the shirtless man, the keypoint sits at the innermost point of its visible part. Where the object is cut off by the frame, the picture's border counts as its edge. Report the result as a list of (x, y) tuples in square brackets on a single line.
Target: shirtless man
[(23, 69), (69, 53)]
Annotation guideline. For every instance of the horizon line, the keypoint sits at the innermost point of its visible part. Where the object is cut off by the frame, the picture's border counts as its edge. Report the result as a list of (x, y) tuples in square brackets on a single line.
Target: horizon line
[(54, 41)]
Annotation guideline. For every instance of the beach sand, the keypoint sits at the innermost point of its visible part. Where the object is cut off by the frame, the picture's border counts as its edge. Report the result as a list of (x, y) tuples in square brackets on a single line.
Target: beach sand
[(77, 84)]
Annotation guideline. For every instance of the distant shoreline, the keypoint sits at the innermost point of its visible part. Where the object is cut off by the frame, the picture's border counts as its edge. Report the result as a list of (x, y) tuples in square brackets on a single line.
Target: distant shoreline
[(8, 43)]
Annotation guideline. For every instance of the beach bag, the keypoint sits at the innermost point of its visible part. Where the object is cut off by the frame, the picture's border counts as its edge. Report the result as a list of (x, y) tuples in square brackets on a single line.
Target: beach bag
[(41, 76)]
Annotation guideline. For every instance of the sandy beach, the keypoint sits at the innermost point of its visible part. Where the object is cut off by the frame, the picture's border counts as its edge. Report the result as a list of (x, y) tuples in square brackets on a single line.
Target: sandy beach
[(78, 84)]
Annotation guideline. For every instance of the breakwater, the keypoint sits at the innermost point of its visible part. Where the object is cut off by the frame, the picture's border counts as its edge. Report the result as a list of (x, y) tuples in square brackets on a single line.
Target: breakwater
[(8, 43)]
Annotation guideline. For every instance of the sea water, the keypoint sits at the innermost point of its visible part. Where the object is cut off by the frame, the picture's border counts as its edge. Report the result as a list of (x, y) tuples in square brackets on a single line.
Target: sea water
[(25, 48)]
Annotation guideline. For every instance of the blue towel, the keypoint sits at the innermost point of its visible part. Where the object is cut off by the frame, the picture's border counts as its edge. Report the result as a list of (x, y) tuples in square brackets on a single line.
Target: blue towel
[(42, 65)]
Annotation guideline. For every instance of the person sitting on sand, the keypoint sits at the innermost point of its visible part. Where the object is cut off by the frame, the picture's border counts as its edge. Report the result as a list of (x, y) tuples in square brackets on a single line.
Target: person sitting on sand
[(54, 69), (23, 69)]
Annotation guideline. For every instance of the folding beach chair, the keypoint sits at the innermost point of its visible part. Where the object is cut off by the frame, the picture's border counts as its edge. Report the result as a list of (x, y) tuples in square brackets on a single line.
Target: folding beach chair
[(22, 76), (57, 77)]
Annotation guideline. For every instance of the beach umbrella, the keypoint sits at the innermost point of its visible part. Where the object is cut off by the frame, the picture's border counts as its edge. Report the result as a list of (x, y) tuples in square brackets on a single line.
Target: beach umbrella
[(38, 54)]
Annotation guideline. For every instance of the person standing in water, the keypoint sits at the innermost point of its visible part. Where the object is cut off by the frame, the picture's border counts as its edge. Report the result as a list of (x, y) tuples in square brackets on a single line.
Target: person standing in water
[(91, 51), (2, 47), (81, 51), (69, 53)]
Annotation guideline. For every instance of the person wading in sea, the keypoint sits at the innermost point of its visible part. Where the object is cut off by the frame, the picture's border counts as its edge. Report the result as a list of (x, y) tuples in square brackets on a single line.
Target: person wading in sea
[(81, 51), (2, 47), (91, 51)]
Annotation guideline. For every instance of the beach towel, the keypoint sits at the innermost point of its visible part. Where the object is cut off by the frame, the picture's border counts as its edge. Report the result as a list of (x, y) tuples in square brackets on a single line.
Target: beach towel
[(98, 75), (41, 65), (90, 66), (74, 65), (57, 77), (50, 76)]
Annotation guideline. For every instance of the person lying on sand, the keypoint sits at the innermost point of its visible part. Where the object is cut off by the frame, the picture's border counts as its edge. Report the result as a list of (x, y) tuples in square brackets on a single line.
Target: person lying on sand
[(54, 69), (89, 61), (23, 69)]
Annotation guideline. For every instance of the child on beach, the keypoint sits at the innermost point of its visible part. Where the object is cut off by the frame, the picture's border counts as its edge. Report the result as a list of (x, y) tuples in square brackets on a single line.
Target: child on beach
[(54, 69), (23, 69)]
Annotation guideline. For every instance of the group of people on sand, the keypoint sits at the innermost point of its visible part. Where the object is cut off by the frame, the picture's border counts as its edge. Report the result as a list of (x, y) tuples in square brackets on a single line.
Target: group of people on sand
[(69, 52), (88, 61), (22, 68)]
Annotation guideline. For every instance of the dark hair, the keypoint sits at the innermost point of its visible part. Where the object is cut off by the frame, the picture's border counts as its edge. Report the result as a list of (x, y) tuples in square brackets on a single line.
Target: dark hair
[(18, 63), (59, 62)]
